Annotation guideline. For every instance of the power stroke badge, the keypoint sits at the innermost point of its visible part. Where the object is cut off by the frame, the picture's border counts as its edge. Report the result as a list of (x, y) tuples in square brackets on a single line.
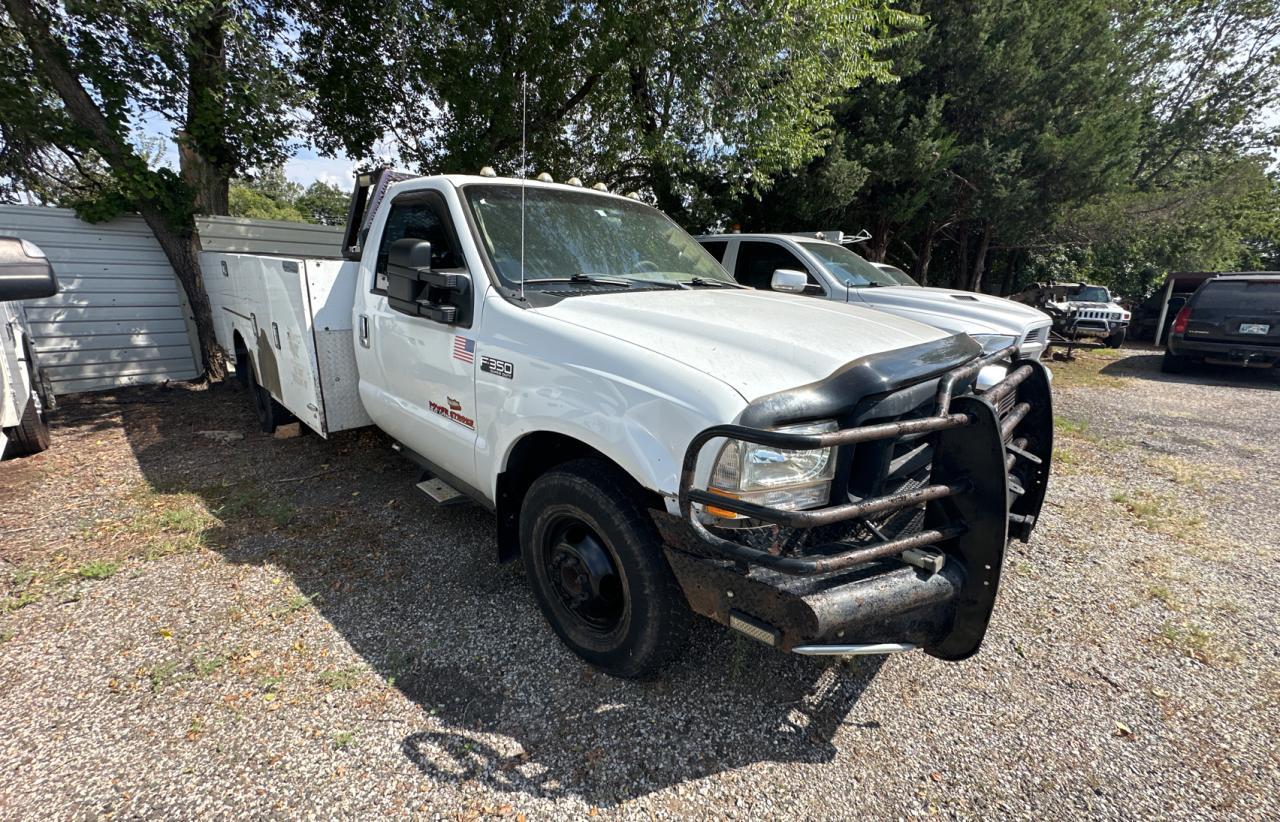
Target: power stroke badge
[(500, 368)]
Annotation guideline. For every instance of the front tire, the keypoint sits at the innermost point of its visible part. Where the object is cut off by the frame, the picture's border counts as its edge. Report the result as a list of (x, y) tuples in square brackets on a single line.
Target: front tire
[(31, 434), (594, 560), (1115, 339)]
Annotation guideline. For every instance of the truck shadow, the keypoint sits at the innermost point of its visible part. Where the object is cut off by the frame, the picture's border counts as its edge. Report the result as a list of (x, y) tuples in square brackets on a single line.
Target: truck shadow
[(416, 591), (1146, 366)]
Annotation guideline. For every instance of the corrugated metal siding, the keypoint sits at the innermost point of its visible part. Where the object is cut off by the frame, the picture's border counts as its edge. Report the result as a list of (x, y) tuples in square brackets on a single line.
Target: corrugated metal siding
[(120, 318), (244, 236)]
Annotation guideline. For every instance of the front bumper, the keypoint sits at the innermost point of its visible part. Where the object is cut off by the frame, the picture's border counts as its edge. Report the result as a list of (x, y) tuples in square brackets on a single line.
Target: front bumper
[(931, 584)]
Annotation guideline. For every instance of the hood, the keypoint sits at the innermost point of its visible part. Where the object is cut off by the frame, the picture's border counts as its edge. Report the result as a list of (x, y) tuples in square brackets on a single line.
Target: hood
[(955, 311), (757, 342)]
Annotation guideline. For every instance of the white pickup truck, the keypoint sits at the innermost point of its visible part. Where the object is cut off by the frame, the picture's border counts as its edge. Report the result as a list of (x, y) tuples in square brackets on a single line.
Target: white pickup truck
[(819, 265), (25, 397), (654, 439)]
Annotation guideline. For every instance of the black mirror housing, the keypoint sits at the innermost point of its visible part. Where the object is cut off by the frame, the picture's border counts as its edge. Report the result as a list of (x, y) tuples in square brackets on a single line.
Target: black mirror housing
[(25, 273), (417, 289)]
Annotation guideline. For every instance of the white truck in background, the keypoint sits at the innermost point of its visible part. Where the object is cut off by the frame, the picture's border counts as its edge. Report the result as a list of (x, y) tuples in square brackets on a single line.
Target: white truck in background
[(25, 396), (820, 266), (654, 439)]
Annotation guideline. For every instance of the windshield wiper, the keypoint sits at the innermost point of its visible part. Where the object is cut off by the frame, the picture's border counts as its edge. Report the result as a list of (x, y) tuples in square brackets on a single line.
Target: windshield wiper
[(581, 278), (702, 282)]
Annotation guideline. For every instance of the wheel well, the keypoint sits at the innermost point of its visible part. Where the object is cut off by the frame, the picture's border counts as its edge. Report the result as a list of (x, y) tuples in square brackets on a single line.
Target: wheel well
[(534, 455), (244, 363)]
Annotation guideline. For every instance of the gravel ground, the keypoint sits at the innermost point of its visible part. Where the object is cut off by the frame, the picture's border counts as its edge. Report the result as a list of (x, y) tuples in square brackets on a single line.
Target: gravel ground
[(226, 623)]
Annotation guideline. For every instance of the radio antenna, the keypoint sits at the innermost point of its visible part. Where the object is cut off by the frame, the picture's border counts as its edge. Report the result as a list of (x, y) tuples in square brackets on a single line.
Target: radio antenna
[(524, 167)]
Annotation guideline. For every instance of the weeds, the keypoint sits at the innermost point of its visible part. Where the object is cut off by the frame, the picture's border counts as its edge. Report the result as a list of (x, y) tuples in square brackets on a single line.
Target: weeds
[(207, 665), (1193, 641), (1164, 596), (340, 679), (98, 569), (162, 675), (343, 740), (1159, 513), (295, 603)]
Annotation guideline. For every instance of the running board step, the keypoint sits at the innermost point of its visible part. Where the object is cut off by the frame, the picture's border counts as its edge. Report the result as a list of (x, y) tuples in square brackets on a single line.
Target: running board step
[(441, 492)]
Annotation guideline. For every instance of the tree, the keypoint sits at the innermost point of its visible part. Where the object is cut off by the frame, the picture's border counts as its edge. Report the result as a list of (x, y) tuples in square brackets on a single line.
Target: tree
[(323, 203), (684, 100), (1033, 131), (76, 80), (269, 195)]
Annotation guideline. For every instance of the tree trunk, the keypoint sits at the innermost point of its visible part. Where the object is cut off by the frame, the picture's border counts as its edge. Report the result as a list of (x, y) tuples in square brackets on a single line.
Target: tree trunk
[(960, 274), (204, 155), (182, 249), (176, 235), (980, 259), (920, 269), (210, 187), (878, 247)]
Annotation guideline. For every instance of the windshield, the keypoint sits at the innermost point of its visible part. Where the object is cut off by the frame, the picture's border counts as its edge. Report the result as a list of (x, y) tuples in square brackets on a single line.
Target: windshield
[(578, 233), (1092, 294), (847, 267), (898, 274)]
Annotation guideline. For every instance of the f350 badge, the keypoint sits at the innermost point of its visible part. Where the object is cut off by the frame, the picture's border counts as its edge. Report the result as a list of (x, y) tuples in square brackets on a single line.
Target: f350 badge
[(499, 368)]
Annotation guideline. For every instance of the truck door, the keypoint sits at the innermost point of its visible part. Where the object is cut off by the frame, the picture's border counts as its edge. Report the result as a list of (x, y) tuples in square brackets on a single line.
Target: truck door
[(417, 376), (756, 261)]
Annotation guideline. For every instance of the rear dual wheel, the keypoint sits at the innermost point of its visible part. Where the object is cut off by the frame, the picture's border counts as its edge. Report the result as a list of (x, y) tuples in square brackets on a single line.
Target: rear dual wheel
[(270, 413), (595, 562)]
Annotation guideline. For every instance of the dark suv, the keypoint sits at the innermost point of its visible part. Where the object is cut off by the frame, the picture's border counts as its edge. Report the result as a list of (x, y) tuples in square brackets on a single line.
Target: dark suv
[(1230, 320)]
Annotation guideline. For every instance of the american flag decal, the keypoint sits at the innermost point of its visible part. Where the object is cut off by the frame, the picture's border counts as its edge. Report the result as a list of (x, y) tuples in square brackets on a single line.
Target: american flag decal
[(464, 349)]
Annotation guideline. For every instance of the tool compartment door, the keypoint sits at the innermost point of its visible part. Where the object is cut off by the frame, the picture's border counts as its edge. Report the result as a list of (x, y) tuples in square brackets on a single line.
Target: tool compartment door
[(265, 299), (331, 285)]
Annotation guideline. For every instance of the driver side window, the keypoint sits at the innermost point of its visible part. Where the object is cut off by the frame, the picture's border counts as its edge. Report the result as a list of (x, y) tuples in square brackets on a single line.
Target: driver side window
[(758, 260), (421, 216)]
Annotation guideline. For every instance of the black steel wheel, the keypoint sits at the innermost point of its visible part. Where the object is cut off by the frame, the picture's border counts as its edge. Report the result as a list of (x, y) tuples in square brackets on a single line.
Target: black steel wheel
[(595, 562), (583, 574)]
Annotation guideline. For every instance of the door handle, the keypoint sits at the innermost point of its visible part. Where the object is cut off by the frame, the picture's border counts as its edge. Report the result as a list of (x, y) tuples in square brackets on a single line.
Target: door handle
[(364, 330)]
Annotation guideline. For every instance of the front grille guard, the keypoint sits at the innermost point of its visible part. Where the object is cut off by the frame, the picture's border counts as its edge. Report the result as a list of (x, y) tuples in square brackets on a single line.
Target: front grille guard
[(1022, 396)]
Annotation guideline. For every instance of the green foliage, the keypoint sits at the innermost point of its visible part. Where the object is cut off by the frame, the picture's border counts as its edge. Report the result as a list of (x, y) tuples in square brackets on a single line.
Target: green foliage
[(1111, 140), (271, 196), (686, 100), (213, 68)]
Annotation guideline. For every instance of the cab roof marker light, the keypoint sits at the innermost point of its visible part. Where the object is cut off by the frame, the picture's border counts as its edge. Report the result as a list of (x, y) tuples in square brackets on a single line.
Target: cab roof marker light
[(544, 177), (635, 195), (488, 171), (574, 181), (600, 187)]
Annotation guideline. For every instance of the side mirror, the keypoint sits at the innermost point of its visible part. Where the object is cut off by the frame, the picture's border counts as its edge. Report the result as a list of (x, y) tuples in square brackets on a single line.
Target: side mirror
[(25, 273), (417, 289), (789, 281)]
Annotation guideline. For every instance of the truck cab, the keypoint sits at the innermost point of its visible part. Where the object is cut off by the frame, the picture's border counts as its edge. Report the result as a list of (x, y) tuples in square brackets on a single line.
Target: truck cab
[(834, 272), (655, 440)]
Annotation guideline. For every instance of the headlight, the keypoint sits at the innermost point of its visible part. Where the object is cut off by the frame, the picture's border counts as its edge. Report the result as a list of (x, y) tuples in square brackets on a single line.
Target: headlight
[(992, 343), (776, 477)]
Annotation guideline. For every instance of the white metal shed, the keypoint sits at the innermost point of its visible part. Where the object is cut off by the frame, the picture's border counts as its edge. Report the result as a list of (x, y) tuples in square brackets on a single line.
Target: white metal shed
[(121, 317)]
